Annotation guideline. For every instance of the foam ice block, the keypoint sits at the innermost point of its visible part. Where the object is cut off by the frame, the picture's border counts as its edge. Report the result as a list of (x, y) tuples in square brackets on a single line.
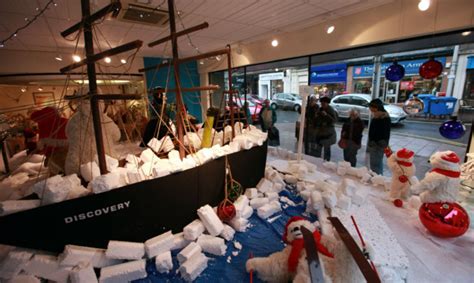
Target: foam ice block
[(378, 180), (316, 200), (344, 202), (193, 267), (111, 162), (264, 185), (251, 193), (163, 262), (13, 206), (269, 171), (344, 164), (210, 220), (105, 183), (124, 272), (228, 232), (212, 245), (330, 165), (365, 178), (147, 155), (268, 209), (193, 230), (188, 252), (204, 155), (300, 186), (240, 204), (83, 273), (248, 211), (125, 250), (341, 171), (257, 202), (73, 255), (13, 263), (135, 176), (24, 278), (271, 196), (159, 244), (179, 241), (359, 197), (305, 195), (47, 267), (239, 224), (132, 159), (147, 169), (244, 141), (348, 190), (329, 198), (414, 202), (277, 187), (89, 171)]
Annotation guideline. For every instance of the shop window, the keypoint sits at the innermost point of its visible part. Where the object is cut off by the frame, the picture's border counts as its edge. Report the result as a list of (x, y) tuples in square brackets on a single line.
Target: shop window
[(342, 100)]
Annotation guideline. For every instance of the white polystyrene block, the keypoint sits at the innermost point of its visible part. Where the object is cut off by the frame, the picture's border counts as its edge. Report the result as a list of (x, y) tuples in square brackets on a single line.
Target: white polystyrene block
[(125, 250), (210, 220), (234, 146), (330, 165), (111, 162), (204, 155), (269, 171), (264, 185), (179, 241), (344, 202), (300, 186), (193, 230), (248, 211), (131, 158), (359, 197), (160, 172), (329, 198), (89, 171), (212, 245), (105, 183), (228, 232), (217, 151), (268, 209), (257, 202), (290, 179), (193, 267), (341, 171), (365, 178), (83, 273), (316, 200), (13, 206), (240, 203), (343, 164), (271, 196), (47, 267), (13, 263), (244, 142), (189, 251), (51, 190), (277, 187), (24, 278), (159, 244), (168, 144), (147, 155), (135, 176), (73, 255), (147, 169), (378, 180), (239, 223), (305, 195), (163, 262), (414, 202), (154, 144), (124, 272), (251, 193), (348, 190)]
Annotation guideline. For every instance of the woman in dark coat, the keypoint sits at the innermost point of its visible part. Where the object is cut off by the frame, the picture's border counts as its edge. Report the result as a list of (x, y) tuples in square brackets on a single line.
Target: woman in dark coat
[(379, 135), (309, 125), (325, 131), (351, 133)]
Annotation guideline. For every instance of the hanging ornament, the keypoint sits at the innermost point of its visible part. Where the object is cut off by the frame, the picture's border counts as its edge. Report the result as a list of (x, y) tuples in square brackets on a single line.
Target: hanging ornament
[(413, 106), (444, 219), (395, 72), (431, 69), (452, 129)]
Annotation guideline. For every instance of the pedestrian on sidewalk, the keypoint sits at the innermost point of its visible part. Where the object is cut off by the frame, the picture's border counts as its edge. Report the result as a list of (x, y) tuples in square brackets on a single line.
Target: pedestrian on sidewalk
[(351, 136), (309, 137), (268, 119), (379, 135), (325, 131)]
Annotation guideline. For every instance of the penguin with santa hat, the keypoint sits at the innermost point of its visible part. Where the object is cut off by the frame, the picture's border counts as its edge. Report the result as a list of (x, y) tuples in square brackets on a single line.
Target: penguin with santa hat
[(290, 263), (403, 169)]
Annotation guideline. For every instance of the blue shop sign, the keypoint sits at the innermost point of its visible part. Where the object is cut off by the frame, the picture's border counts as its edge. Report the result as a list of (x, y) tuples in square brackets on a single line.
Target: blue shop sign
[(334, 73), (411, 67), (470, 62)]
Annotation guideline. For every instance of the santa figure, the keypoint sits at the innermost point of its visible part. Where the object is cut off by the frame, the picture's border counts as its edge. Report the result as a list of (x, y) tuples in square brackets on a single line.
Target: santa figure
[(441, 184), (403, 169), (290, 263)]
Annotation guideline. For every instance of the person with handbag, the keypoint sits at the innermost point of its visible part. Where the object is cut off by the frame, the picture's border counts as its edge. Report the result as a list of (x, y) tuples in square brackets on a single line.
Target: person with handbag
[(351, 136), (379, 135), (325, 132)]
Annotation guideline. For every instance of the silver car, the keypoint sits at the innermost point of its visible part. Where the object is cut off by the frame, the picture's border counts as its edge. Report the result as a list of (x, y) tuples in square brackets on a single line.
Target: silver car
[(343, 104), (286, 100)]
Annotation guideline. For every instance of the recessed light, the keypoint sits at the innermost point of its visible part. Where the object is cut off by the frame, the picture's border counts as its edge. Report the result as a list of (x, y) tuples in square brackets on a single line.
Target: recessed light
[(58, 58), (23, 89), (424, 5), (275, 42), (276, 69), (2, 45), (76, 58), (123, 61), (466, 33), (107, 60), (218, 57), (201, 62), (40, 89), (330, 29)]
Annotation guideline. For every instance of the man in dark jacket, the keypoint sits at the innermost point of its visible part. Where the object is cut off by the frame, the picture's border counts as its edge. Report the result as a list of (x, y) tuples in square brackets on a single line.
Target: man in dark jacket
[(325, 132), (379, 135)]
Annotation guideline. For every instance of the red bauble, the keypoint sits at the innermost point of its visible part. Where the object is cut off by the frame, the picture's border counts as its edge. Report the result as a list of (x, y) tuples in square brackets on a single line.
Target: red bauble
[(431, 69), (226, 211), (444, 219), (398, 202), (403, 178)]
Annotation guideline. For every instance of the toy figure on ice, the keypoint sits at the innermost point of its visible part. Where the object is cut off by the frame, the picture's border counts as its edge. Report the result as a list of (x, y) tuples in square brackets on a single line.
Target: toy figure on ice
[(289, 264), (403, 169), (438, 192)]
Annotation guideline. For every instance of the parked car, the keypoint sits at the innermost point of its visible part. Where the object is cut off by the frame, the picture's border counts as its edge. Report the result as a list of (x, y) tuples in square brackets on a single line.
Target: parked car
[(286, 101), (253, 108), (343, 104)]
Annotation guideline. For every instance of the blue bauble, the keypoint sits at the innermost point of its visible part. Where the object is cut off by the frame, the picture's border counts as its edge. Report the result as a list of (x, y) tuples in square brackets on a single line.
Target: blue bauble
[(452, 129), (395, 72)]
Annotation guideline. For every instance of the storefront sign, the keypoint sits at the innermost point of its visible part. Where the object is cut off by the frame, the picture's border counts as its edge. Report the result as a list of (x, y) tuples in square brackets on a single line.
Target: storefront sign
[(271, 76), (411, 67), (335, 73), (470, 62)]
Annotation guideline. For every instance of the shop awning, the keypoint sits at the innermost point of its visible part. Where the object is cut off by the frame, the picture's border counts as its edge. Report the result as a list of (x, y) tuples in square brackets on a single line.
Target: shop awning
[(334, 73)]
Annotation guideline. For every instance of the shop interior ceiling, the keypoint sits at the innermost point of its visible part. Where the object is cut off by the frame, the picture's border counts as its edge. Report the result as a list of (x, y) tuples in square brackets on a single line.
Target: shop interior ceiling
[(230, 21)]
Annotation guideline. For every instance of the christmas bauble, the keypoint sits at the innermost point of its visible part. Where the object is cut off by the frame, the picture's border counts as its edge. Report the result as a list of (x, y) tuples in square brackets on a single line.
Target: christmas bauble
[(395, 72), (452, 129), (413, 106), (444, 219), (226, 211), (403, 178), (398, 202), (431, 69)]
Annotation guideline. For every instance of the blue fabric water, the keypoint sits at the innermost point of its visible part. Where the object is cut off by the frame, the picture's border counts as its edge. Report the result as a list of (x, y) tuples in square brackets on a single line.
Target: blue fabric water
[(261, 239)]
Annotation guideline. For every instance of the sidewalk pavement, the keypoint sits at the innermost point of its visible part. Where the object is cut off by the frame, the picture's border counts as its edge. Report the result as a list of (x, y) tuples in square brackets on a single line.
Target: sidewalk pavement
[(423, 148)]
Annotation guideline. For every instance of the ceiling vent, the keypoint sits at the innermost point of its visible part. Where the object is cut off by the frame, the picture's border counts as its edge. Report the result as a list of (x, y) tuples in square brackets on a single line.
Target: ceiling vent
[(144, 15)]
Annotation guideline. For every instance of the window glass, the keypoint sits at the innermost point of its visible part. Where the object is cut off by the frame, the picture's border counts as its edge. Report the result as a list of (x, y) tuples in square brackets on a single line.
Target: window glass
[(342, 100), (359, 101)]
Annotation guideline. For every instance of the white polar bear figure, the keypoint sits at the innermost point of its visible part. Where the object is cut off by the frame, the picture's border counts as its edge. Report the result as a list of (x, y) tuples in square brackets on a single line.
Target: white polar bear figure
[(289, 263), (441, 184), (403, 169), (80, 134)]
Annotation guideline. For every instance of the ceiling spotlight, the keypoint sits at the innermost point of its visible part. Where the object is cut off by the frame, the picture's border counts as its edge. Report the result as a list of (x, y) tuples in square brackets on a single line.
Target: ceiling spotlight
[(275, 43), (26, 19), (424, 5), (107, 60), (2, 45), (23, 89), (201, 62), (276, 69), (123, 61), (218, 57), (15, 34), (58, 58), (330, 29), (76, 58), (40, 89), (55, 4), (466, 33)]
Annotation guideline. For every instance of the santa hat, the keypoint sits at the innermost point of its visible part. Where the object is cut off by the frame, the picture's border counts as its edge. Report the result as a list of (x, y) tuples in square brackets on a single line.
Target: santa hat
[(292, 219), (447, 160), (405, 155)]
